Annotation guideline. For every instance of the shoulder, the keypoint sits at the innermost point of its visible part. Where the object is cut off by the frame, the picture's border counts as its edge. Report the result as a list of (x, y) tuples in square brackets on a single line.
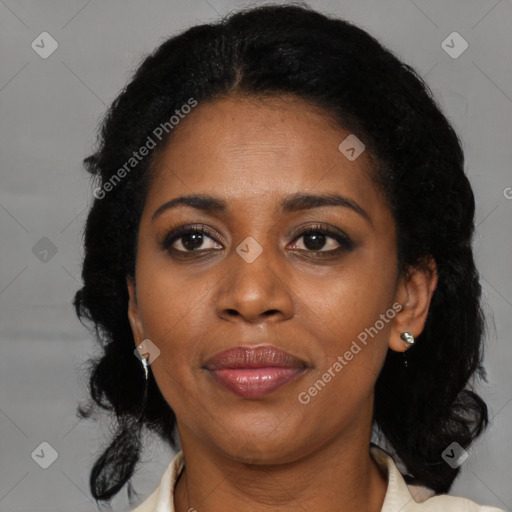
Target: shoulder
[(411, 498)]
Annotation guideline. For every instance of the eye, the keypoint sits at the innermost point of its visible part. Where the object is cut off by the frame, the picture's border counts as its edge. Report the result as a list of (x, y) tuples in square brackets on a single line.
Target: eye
[(190, 238), (317, 238)]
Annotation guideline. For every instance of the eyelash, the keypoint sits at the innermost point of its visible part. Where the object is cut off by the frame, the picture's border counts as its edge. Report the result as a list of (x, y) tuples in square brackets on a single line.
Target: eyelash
[(346, 244)]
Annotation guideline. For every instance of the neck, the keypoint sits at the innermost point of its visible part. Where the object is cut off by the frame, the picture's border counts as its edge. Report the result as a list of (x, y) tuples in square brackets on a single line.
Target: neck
[(341, 476)]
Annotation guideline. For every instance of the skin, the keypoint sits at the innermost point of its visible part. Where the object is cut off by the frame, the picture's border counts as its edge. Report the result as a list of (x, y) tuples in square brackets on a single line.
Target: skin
[(274, 453)]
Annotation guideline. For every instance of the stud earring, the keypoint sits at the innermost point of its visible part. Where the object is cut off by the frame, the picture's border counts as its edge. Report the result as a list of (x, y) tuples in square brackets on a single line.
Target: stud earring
[(408, 338)]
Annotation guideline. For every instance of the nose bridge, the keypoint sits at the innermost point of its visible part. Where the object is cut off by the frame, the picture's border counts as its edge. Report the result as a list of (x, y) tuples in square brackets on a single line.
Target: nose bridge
[(255, 283)]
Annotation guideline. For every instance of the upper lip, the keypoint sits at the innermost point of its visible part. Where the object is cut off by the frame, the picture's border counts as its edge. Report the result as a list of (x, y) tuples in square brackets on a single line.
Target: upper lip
[(262, 356)]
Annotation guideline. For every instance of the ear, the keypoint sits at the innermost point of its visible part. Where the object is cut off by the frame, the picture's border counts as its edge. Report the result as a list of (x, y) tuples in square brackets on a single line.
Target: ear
[(414, 293), (133, 313)]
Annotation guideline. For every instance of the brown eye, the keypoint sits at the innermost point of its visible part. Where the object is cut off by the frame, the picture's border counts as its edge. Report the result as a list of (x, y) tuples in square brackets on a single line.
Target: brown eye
[(322, 240), (315, 241), (191, 239)]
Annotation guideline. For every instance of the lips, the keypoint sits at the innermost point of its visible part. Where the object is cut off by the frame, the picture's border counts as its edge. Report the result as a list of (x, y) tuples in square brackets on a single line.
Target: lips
[(254, 372)]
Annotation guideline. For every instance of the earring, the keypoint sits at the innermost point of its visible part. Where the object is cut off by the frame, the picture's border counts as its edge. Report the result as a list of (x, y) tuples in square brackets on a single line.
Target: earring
[(408, 338), (144, 359)]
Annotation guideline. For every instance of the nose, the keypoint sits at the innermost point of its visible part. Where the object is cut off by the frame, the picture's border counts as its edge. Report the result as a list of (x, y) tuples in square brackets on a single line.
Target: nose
[(255, 292)]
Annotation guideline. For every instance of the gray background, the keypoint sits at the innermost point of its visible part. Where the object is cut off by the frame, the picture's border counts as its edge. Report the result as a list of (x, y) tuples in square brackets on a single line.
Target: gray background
[(49, 110)]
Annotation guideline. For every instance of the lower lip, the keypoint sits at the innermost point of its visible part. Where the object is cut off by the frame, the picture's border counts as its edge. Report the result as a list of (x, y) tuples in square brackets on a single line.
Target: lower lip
[(255, 382)]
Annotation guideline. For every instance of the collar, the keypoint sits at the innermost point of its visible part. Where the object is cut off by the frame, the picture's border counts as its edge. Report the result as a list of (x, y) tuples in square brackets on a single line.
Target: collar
[(399, 495)]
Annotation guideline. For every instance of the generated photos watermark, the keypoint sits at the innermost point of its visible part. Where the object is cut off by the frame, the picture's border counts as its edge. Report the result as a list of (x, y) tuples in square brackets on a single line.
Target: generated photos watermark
[(351, 147), (305, 397), (137, 156)]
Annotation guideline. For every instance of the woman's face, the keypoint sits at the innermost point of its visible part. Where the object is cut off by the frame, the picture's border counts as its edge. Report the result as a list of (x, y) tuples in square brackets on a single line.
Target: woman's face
[(251, 279)]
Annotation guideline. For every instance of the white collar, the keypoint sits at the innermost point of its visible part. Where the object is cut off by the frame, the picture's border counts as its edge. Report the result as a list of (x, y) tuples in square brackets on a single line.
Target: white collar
[(399, 496)]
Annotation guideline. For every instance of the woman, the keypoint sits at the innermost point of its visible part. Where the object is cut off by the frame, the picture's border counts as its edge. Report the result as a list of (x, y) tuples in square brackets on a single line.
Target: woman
[(281, 214)]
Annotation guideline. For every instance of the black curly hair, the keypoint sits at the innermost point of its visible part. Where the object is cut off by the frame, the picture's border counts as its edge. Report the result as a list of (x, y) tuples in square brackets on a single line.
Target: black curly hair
[(272, 51)]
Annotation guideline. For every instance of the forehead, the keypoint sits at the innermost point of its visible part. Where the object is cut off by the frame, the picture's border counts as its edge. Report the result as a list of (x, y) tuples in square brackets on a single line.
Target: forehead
[(252, 152)]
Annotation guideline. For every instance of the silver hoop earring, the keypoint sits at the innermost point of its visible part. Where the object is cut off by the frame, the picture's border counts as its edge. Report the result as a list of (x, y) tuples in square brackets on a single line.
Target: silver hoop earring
[(144, 360)]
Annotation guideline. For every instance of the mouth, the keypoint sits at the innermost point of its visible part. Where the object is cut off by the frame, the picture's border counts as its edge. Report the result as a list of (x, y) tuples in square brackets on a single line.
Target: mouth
[(254, 372)]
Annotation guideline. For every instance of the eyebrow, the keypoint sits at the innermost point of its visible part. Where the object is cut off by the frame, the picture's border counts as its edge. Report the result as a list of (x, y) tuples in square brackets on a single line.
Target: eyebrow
[(293, 203)]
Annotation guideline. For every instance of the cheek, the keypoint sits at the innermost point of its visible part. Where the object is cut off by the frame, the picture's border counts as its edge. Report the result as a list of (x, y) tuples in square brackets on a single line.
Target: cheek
[(172, 312), (349, 300), (352, 343), (351, 316), (169, 296)]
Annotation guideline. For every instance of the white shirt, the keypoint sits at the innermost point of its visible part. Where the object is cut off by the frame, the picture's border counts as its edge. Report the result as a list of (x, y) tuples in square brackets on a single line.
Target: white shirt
[(400, 497)]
